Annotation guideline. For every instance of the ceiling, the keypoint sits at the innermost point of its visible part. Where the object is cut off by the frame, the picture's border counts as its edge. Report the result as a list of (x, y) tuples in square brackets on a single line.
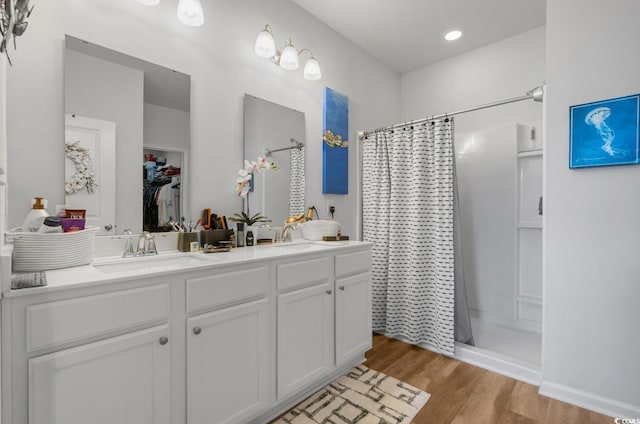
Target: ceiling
[(408, 34)]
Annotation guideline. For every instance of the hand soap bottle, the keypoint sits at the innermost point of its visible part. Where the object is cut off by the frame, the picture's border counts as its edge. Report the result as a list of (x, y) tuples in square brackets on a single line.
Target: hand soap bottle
[(36, 215)]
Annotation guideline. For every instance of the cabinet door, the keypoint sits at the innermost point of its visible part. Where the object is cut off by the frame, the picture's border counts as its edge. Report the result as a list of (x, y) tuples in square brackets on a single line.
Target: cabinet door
[(353, 317), (305, 337), (228, 364), (124, 379)]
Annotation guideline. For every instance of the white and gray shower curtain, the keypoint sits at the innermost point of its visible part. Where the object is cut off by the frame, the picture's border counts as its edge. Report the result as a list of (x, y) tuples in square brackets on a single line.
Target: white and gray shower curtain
[(408, 193), (296, 182)]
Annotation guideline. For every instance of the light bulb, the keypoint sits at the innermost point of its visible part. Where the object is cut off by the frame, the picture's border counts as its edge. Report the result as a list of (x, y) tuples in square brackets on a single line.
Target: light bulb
[(265, 46), (453, 35), (289, 58), (190, 12), (149, 2), (312, 70)]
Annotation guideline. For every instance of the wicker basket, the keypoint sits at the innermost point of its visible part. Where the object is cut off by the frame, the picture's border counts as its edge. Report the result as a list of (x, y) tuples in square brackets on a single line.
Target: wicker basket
[(41, 252)]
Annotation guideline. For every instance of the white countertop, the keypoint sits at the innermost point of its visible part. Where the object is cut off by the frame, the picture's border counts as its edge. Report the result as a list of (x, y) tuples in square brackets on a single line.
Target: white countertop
[(170, 263)]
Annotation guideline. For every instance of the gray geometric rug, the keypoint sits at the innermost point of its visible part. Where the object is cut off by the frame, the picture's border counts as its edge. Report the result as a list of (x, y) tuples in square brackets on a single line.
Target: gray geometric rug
[(363, 396)]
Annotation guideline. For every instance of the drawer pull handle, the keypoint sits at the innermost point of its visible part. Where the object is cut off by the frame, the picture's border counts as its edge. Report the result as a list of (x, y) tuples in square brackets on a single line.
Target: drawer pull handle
[(329, 292), (197, 330), (341, 288), (164, 340)]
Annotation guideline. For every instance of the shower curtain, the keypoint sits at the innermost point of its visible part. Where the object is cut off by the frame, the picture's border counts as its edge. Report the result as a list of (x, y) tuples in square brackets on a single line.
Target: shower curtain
[(296, 182), (408, 214)]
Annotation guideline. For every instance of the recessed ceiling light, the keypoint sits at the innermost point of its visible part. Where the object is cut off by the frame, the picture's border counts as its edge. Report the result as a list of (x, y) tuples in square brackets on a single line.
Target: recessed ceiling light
[(453, 34)]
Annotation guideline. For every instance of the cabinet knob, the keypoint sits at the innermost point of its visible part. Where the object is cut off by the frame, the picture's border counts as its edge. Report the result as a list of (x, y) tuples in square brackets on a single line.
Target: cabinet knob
[(341, 288), (108, 227), (329, 292), (197, 330), (164, 340)]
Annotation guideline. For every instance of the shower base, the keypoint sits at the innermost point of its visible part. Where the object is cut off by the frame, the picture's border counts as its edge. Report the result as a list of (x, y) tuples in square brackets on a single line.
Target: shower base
[(508, 351)]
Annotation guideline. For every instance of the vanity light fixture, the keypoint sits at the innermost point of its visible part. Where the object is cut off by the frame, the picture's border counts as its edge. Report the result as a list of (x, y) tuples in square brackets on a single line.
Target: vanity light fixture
[(289, 57), (189, 11)]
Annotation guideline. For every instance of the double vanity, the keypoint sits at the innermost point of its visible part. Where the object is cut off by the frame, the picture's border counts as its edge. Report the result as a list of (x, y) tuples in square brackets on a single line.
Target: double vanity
[(233, 337)]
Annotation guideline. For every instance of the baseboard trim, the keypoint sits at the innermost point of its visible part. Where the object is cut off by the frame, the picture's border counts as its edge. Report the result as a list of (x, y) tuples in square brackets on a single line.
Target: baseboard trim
[(590, 401)]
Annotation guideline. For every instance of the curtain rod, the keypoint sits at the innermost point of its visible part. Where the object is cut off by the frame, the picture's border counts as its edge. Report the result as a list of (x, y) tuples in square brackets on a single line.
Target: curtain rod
[(537, 94), (299, 145)]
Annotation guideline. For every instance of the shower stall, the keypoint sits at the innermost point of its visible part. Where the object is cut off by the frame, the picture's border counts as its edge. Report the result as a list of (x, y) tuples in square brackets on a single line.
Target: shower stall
[(499, 175), (498, 211)]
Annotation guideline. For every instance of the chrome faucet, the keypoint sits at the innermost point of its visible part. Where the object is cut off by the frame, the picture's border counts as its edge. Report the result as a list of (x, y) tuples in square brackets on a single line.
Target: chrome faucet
[(128, 246), (286, 231), (146, 245)]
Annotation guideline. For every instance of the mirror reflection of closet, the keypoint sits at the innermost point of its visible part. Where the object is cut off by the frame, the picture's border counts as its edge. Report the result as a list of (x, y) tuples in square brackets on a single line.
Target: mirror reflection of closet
[(162, 182)]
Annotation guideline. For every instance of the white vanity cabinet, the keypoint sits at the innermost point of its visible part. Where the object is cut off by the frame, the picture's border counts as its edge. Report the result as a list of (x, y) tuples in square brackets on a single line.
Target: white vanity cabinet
[(353, 305), (305, 336), (123, 379), (232, 342), (229, 353), (88, 356)]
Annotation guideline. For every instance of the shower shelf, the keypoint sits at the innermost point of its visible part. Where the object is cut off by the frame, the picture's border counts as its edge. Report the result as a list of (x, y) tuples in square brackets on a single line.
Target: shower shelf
[(530, 153)]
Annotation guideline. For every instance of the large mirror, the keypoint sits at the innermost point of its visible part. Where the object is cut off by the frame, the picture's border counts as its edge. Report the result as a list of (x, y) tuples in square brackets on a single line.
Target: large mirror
[(277, 133), (127, 133)]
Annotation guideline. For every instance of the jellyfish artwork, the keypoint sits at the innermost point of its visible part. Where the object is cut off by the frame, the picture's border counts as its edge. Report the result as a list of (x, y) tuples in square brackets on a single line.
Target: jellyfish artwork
[(597, 117)]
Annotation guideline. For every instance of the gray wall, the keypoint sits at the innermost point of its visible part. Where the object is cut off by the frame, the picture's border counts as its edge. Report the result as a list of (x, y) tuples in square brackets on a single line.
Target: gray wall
[(591, 227)]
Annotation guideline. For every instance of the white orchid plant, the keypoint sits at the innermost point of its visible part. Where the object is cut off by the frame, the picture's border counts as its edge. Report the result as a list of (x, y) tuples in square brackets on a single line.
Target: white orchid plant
[(243, 186), (245, 175)]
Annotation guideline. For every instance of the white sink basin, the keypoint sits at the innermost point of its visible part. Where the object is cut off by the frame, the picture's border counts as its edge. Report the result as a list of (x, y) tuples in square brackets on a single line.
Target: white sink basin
[(154, 263), (294, 245)]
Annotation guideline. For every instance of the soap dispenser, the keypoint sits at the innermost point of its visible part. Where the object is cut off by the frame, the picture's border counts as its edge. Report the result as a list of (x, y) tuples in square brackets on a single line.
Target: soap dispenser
[(36, 215)]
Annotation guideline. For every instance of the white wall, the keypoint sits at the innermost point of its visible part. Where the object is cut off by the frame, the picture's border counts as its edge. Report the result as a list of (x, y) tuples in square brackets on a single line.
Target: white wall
[(219, 57), (591, 340), (166, 127), (104, 90), (3, 148), (506, 69)]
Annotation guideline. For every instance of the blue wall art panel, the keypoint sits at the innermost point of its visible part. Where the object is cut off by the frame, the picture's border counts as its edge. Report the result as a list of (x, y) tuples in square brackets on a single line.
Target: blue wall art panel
[(335, 134), (605, 132)]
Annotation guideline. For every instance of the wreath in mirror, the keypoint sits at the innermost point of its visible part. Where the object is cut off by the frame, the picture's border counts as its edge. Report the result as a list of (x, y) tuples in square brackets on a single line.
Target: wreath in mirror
[(13, 22), (85, 173)]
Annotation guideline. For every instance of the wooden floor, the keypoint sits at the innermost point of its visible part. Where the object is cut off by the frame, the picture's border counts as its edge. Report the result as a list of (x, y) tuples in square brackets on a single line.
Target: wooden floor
[(465, 394)]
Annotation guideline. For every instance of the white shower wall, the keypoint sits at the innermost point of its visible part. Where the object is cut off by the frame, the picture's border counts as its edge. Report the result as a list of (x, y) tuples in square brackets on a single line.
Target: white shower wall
[(499, 189)]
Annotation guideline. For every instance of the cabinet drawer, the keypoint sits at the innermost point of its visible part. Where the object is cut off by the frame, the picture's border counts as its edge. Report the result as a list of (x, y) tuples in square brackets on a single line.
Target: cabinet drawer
[(301, 273), (351, 263), (55, 323), (227, 287)]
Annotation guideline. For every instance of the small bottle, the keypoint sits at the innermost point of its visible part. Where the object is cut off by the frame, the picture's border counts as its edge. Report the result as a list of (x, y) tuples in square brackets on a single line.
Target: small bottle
[(249, 238), (240, 236), (232, 239), (51, 224), (36, 215)]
